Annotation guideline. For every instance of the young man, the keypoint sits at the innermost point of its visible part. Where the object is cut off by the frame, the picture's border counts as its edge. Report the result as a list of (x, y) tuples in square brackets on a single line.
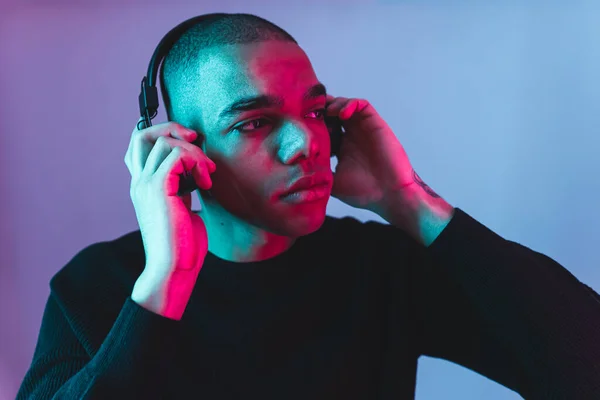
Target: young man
[(260, 295)]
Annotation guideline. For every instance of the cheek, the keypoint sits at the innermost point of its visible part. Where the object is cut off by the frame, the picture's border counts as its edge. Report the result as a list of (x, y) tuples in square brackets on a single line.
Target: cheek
[(254, 160), (250, 173)]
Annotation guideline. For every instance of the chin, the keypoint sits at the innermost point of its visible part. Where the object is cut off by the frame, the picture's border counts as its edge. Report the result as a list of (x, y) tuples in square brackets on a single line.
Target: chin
[(301, 219), (306, 226)]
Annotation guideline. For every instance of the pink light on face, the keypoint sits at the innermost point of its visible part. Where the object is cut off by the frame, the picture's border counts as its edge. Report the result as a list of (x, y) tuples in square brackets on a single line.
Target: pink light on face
[(269, 110)]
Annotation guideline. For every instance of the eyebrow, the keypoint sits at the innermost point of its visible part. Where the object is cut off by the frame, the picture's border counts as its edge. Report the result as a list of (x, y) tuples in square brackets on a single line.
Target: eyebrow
[(266, 101)]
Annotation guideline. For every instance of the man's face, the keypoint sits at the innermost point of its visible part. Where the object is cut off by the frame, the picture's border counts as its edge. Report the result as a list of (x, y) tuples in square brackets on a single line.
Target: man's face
[(261, 148)]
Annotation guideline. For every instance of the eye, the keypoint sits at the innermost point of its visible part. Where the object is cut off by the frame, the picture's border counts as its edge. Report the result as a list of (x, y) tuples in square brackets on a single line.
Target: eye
[(252, 125), (320, 113)]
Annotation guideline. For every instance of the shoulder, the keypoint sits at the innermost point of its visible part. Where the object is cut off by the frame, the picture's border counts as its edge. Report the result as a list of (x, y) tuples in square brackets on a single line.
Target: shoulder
[(100, 275), (119, 258)]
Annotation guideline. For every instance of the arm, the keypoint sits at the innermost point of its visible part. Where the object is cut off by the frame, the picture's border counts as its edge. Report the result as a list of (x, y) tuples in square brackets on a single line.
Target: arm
[(505, 311), (484, 302), (127, 364)]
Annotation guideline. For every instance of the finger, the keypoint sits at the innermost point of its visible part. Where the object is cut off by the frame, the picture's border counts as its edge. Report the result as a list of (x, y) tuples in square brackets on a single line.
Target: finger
[(202, 176), (334, 108), (142, 141), (195, 152), (161, 149), (334, 100), (175, 164), (352, 107), (348, 109), (191, 158), (128, 154), (169, 128)]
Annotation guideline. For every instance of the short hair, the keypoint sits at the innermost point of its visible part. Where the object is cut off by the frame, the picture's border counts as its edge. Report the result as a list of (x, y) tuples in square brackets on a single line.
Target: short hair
[(178, 74)]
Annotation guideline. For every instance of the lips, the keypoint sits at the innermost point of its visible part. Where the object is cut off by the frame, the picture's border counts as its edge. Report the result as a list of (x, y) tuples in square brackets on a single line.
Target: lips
[(306, 182)]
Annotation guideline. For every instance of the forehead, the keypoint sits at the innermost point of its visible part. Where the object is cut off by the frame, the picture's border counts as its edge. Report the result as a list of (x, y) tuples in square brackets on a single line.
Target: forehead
[(235, 71)]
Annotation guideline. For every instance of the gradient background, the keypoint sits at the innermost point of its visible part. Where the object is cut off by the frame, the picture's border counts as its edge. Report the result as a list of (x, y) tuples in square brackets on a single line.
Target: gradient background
[(497, 106)]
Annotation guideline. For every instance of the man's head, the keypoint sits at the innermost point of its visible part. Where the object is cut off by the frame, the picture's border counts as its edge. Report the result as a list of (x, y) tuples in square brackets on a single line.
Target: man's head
[(251, 93)]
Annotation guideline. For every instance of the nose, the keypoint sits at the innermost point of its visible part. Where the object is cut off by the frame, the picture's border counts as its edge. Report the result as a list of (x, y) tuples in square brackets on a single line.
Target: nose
[(296, 141)]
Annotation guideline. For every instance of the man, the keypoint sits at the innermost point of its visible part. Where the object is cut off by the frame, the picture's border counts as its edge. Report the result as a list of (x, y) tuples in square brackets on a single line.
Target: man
[(260, 295)]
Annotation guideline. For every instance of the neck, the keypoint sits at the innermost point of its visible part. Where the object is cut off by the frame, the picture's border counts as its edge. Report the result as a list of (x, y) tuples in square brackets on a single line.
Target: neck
[(233, 239)]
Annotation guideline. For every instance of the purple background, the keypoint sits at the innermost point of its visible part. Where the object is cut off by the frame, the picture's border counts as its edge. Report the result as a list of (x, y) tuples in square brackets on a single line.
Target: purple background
[(498, 108)]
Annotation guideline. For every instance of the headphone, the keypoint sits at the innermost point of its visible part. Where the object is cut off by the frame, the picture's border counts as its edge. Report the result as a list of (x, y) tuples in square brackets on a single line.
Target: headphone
[(148, 98)]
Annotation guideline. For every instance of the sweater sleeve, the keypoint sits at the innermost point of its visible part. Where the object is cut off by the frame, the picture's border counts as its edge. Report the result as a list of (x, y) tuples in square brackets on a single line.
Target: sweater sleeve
[(128, 364), (507, 312)]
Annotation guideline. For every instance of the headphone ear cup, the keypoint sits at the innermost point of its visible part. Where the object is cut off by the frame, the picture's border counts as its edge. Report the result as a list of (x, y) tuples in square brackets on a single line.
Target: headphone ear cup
[(334, 125)]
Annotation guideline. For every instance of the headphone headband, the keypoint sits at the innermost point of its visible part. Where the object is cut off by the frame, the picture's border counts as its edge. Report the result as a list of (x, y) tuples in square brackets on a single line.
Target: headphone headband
[(148, 98)]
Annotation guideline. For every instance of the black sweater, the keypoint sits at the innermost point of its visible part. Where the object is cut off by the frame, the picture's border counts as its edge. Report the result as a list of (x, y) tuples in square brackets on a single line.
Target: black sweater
[(344, 314)]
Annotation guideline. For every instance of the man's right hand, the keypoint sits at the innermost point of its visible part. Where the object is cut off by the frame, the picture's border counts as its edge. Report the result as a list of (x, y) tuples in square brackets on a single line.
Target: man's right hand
[(175, 238)]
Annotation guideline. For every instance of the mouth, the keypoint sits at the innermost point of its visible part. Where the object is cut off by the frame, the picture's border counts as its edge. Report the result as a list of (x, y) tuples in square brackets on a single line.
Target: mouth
[(313, 193), (307, 189)]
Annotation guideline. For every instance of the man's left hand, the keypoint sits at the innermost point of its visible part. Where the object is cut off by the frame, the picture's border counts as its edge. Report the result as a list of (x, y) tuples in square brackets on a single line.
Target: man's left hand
[(372, 163), (374, 172)]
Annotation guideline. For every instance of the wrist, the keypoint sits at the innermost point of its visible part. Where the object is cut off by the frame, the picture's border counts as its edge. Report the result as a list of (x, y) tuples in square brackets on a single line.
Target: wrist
[(166, 296), (422, 215)]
